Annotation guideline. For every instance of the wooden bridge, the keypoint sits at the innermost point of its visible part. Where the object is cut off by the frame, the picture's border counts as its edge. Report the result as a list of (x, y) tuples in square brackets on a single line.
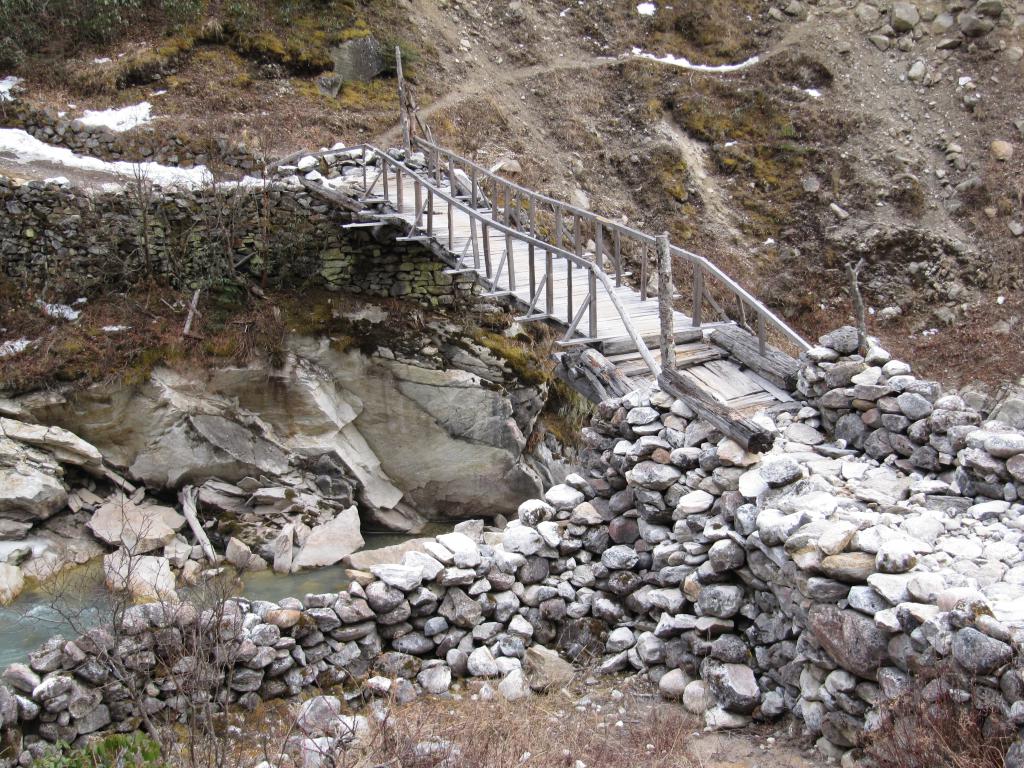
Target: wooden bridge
[(586, 274)]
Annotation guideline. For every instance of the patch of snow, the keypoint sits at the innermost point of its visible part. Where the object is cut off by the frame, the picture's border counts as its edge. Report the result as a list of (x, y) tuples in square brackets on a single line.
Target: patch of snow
[(60, 311), (119, 120), (646, 9), (7, 86), (115, 328), (60, 180), (1000, 299), (102, 60), (564, 13), (9, 348), (25, 149), (770, 241), (930, 332), (158, 93), (730, 144), (814, 93), (685, 63)]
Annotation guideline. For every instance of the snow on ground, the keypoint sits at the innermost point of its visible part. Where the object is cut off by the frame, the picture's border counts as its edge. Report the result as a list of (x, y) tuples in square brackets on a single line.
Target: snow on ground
[(9, 348), (115, 328), (25, 150), (685, 63), (646, 9), (119, 120), (60, 311), (7, 85)]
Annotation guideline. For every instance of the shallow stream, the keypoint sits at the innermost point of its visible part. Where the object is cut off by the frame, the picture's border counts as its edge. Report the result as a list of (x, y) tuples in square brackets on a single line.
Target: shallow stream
[(78, 599)]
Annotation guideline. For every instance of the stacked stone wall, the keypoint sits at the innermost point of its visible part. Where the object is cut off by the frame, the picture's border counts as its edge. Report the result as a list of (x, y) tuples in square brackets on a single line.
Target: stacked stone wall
[(813, 580), (73, 240)]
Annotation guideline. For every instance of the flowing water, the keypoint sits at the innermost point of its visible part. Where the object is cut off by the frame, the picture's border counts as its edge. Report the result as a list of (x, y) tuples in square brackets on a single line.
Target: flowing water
[(78, 599)]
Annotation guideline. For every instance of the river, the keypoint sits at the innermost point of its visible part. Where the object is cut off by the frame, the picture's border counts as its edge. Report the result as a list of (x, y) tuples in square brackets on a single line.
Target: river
[(78, 598)]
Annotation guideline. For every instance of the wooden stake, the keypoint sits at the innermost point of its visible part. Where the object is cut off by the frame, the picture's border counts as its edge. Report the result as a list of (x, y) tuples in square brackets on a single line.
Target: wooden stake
[(665, 293), (403, 105), (858, 304)]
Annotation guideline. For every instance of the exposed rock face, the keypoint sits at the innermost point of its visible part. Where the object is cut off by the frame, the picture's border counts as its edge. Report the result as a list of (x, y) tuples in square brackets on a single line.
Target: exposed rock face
[(31, 488), (419, 441)]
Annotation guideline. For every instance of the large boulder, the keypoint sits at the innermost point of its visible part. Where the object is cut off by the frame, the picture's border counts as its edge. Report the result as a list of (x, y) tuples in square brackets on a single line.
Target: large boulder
[(144, 577), (64, 446), (27, 495), (327, 544), (851, 638), (139, 529), (361, 59), (458, 447), (12, 581)]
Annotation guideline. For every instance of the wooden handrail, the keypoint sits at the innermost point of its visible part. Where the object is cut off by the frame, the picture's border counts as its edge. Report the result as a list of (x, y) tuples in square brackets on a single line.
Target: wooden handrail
[(765, 315), (484, 181)]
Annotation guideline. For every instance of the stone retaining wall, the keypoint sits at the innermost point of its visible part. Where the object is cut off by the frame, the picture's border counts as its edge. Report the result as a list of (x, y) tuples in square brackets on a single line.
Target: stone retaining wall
[(875, 404), (813, 580), (73, 241), (138, 145)]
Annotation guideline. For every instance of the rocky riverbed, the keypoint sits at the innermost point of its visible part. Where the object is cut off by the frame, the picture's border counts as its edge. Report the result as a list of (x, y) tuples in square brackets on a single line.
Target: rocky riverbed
[(279, 468)]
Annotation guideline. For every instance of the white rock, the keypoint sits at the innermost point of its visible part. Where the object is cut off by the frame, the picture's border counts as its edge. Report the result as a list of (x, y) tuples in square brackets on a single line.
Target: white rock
[(465, 551), (330, 542)]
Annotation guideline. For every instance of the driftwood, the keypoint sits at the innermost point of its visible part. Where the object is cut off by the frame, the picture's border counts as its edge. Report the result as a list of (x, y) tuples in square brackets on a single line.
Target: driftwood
[(187, 330), (188, 497), (592, 375), (749, 434), (775, 366)]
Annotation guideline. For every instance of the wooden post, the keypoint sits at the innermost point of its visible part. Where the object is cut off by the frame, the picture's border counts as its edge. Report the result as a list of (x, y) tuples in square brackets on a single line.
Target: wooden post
[(549, 285), (665, 292), (403, 104), (698, 294), (592, 290)]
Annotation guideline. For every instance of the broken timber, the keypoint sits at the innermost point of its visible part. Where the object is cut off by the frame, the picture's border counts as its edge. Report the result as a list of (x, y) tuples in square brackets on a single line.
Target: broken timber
[(748, 433)]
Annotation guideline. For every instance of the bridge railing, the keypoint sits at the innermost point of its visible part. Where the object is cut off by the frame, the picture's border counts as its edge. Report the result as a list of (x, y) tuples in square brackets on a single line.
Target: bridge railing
[(429, 185), (612, 245)]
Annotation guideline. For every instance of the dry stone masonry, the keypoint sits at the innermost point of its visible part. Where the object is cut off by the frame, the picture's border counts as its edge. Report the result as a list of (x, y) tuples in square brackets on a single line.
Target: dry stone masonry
[(817, 579), (65, 236)]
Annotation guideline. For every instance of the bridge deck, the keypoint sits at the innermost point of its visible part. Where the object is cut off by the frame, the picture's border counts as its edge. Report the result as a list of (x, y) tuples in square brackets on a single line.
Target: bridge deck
[(570, 285)]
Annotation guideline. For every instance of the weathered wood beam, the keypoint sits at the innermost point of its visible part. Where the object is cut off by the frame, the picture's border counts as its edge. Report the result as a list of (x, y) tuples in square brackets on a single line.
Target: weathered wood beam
[(777, 367), (749, 434)]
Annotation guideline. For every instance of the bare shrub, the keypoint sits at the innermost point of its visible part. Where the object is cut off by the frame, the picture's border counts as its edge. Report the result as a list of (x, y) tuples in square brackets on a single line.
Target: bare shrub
[(934, 726)]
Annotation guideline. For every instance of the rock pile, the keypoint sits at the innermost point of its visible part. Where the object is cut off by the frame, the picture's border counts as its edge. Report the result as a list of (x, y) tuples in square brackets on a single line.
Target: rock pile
[(952, 24), (875, 404), (814, 579)]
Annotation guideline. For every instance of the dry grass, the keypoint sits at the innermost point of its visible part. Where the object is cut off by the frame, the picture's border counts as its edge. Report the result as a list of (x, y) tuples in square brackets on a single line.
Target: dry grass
[(918, 733), (548, 731), (82, 353), (623, 727)]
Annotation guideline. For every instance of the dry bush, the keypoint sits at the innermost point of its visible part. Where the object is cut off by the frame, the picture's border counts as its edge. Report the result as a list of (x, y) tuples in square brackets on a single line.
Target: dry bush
[(917, 732), (545, 731)]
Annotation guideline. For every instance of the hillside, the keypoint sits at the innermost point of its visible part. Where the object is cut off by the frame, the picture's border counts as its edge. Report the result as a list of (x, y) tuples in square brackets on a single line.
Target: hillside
[(847, 139)]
